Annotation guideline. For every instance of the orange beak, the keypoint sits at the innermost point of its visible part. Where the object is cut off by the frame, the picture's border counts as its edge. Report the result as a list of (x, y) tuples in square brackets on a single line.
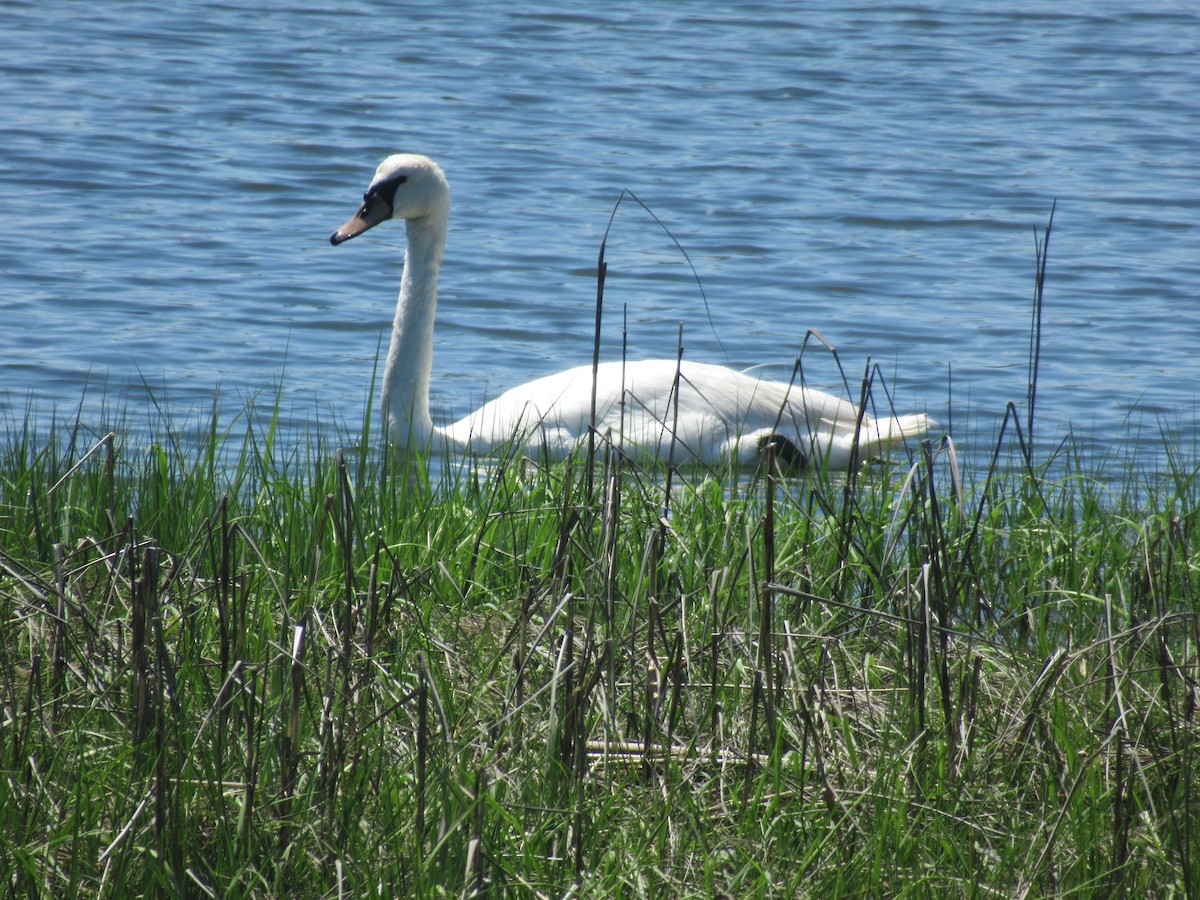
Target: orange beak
[(375, 209)]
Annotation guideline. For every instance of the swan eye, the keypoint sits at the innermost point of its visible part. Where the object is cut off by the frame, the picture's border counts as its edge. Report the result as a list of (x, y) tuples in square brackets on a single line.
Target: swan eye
[(385, 189)]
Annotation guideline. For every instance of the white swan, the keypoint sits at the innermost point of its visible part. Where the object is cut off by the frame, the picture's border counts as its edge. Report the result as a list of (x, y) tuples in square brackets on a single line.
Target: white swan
[(719, 415)]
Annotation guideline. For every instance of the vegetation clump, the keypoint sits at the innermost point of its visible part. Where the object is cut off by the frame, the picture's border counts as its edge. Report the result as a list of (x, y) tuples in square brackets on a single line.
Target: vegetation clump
[(232, 669), (310, 673)]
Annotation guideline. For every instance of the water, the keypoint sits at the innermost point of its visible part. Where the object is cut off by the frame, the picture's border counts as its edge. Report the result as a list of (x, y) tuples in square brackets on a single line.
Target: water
[(170, 172)]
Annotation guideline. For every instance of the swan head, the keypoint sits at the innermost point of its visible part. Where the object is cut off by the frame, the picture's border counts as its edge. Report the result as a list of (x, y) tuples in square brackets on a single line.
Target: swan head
[(405, 186)]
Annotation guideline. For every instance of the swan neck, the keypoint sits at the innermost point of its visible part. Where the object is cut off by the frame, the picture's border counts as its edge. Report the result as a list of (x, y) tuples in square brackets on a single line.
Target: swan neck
[(410, 356)]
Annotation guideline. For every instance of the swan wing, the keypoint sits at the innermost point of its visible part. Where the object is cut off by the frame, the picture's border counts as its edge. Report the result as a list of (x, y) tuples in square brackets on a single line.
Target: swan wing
[(658, 409)]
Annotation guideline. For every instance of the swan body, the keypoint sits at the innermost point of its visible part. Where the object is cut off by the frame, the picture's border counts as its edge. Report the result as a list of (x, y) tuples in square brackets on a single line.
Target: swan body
[(657, 409)]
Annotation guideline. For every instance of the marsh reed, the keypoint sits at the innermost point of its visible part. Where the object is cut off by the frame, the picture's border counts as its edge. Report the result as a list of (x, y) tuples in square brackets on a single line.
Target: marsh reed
[(246, 669)]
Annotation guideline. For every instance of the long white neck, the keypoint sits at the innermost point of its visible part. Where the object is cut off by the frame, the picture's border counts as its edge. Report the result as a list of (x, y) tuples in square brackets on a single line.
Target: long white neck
[(410, 357)]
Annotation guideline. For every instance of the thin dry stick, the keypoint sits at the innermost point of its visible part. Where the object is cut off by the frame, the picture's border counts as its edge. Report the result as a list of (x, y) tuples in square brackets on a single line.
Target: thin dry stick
[(106, 441), (673, 401), (601, 272), (1042, 252), (678, 246)]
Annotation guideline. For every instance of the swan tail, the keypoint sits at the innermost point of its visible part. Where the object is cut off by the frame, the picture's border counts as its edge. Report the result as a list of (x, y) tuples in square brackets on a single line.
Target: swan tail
[(836, 450), (911, 426), (877, 435)]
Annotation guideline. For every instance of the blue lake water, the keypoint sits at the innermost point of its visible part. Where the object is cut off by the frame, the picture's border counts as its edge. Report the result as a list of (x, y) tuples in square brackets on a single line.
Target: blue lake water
[(170, 173)]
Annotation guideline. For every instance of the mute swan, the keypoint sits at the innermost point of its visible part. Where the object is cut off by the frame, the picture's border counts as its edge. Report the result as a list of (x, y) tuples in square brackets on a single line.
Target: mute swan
[(719, 414)]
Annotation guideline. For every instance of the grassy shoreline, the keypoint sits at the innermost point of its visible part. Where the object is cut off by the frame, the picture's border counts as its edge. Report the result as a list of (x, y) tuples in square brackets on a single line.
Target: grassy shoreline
[(303, 673)]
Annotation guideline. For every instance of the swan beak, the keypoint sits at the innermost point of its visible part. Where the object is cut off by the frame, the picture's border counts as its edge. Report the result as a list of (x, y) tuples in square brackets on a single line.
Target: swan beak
[(374, 210)]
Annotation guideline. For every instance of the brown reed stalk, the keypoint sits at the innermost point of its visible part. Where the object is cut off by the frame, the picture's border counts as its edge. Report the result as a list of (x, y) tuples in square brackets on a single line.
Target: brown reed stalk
[(110, 472), (766, 649), (936, 550), (33, 705), (422, 748), (372, 608), (144, 592), (612, 530), (327, 757), (601, 272), (250, 762), (1041, 257), (677, 677), (169, 848), (566, 736), (58, 667), (755, 698), (850, 488), (579, 760), (290, 738), (345, 528), (476, 870), (221, 589), (653, 683), (1122, 815), (568, 518), (917, 638)]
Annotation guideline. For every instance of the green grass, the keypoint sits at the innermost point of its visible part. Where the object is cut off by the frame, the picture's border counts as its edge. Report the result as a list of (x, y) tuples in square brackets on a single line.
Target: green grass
[(260, 668)]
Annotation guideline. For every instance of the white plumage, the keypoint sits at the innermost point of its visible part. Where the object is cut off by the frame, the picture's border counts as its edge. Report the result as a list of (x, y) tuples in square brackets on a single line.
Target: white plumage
[(719, 414)]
